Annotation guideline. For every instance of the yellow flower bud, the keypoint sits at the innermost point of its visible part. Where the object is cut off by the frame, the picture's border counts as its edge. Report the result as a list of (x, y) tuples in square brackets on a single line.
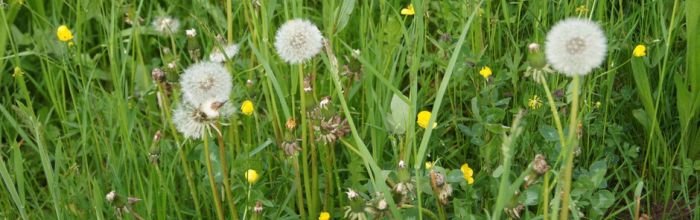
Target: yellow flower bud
[(324, 216), (247, 107), (424, 119), (252, 176), (485, 72), (64, 34), (640, 50)]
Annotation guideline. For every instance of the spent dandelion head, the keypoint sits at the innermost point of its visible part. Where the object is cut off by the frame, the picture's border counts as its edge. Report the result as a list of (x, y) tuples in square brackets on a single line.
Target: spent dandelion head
[(575, 46), (166, 25), (64, 34), (205, 81), (219, 55), (298, 40), (640, 50)]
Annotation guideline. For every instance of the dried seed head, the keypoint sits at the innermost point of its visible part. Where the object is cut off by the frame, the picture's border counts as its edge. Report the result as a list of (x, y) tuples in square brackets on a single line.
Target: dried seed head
[(539, 164), (291, 124), (158, 75), (111, 196), (258, 207)]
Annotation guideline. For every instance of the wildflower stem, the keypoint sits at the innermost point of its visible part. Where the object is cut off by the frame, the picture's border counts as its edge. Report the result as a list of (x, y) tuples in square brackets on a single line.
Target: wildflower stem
[(569, 150), (229, 21), (297, 182), (224, 170), (185, 165), (210, 172), (304, 141), (553, 108)]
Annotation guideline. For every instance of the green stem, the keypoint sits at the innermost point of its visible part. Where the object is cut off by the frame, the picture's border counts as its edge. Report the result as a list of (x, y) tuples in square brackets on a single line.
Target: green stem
[(553, 108), (570, 151), (304, 142), (297, 182), (185, 165), (210, 172), (224, 169)]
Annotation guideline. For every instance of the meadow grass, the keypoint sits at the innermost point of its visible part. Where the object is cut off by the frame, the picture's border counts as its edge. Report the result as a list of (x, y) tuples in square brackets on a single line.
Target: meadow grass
[(88, 133)]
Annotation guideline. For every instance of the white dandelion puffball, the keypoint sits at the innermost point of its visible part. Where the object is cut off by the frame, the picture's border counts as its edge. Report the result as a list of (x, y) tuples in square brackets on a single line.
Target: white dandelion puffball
[(190, 121), (575, 46), (205, 81), (220, 56), (298, 40), (166, 25)]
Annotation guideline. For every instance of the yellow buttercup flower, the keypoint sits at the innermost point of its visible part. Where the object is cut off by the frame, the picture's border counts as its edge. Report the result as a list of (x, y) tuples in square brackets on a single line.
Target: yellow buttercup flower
[(247, 107), (428, 165), (468, 173), (64, 34), (485, 72), (534, 102), (408, 10), (324, 216), (640, 50), (252, 176), (424, 118)]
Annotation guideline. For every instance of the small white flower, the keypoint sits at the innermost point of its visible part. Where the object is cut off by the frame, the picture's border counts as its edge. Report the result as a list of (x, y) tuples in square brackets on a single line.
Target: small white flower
[(172, 65), (575, 46), (298, 40), (205, 81), (402, 164), (191, 33), (229, 51), (324, 102), (190, 121), (166, 25), (352, 194), (111, 196)]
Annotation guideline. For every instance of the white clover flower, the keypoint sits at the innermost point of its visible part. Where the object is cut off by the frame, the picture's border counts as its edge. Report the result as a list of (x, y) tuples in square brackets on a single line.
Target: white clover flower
[(166, 25), (298, 40), (111, 196), (205, 81), (191, 33), (575, 46), (229, 51), (190, 121)]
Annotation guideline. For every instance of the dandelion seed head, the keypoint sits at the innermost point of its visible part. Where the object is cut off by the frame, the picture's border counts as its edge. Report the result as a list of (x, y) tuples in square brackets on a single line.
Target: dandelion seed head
[(298, 40), (190, 121), (166, 25), (228, 52), (205, 81), (575, 46)]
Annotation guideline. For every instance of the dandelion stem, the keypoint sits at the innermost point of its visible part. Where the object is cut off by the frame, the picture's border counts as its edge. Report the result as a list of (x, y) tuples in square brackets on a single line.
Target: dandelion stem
[(224, 170), (569, 150), (304, 141), (185, 166), (297, 182), (210, 172)]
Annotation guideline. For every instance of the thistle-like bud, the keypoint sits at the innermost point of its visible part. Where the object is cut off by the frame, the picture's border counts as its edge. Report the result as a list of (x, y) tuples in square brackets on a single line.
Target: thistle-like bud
[(158, 75), (291, 124), (539, 164)]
